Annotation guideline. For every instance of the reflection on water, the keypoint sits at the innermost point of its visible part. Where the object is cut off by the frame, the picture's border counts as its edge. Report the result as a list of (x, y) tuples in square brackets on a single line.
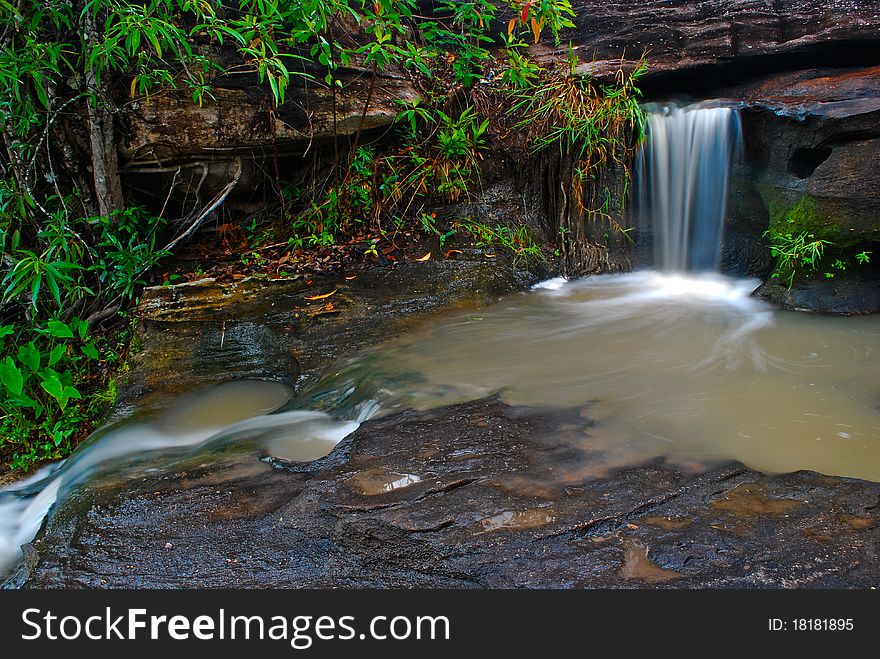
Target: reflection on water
[(690, 368)]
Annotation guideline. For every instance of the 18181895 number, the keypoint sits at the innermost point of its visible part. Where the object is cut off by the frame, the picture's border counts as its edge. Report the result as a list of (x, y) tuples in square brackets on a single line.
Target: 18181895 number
[(822, 624)]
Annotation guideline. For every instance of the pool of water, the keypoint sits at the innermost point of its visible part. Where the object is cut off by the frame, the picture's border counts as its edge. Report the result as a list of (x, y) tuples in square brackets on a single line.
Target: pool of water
[(690, 368)]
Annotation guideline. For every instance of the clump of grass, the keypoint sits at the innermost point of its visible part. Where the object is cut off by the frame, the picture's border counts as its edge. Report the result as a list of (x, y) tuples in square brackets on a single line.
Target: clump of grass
[(795, 253), (518, 240), (597, 122), (596, 127)]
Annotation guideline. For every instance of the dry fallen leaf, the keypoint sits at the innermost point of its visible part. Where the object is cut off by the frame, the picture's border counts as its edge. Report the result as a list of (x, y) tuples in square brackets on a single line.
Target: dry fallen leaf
[(350, 278), (452, 251), (425, 257), (321, 297)]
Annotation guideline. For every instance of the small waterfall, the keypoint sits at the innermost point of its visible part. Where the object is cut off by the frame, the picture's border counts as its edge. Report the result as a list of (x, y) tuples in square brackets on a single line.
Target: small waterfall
[(683, 176)]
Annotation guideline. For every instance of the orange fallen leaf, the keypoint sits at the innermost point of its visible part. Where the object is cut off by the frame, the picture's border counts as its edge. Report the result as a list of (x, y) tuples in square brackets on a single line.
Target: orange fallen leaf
[(537, 26), (425, 257), (321, 297), (452, 251)]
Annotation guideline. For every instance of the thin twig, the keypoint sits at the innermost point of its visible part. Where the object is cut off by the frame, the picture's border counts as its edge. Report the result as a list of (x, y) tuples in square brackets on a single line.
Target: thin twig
[(219, 199)]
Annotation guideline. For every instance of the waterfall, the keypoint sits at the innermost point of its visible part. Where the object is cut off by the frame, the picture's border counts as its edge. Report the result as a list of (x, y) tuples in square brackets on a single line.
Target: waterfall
[(683, 175)]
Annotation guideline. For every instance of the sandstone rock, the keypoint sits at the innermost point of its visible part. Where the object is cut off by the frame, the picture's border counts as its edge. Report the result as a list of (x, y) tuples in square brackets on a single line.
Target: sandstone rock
[(195, 334), (811, 141), (239, 127), (686, 35), (474, 495)]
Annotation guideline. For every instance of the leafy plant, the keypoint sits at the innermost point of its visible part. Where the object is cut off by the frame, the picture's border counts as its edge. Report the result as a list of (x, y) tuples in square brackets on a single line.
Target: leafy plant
[(517, 240), (521, 72), (127, 249), (795, 253), (39, 381)]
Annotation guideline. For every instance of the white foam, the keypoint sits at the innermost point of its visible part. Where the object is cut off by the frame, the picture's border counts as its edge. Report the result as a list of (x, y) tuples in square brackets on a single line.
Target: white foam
[(550, 284)]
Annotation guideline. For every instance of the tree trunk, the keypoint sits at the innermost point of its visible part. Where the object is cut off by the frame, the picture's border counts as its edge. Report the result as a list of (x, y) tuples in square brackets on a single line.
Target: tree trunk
[(105, 165)]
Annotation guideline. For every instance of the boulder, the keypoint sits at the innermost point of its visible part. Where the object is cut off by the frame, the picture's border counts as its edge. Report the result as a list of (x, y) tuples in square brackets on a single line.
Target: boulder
[(811, 140)]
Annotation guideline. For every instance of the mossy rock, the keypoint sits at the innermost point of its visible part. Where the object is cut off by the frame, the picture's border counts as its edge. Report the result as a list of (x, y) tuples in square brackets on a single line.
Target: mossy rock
[(793, 212)]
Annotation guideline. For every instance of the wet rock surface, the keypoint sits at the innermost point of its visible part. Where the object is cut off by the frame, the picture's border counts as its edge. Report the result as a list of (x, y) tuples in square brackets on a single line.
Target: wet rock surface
[(289, 330), (474, 495)]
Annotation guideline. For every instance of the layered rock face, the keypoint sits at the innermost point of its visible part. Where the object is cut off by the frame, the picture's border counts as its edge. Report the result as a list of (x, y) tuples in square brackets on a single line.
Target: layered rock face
[(239, 129), (682, 34), (811, 139)]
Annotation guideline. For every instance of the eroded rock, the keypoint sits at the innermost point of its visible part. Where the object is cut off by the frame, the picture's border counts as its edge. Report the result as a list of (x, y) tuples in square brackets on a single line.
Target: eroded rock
[(810, 140), (476, 505), (195, 334)]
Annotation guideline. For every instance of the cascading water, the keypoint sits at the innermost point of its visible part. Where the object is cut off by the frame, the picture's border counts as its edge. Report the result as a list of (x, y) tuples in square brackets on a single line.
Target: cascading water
[(683, 177), (229, 412), (681, 366)]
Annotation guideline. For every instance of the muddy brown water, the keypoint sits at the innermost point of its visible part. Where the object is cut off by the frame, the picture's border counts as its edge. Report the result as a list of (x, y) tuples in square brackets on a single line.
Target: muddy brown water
[(691, 369)]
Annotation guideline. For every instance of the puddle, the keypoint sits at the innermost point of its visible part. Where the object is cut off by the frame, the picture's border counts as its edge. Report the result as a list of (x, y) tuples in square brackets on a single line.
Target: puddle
[(750, 499), (637, 565), (526, 519), (372, 482)]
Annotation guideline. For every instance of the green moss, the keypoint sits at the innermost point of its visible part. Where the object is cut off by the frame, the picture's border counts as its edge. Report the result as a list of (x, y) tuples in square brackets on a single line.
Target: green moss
[(801, 219), (795, 213)]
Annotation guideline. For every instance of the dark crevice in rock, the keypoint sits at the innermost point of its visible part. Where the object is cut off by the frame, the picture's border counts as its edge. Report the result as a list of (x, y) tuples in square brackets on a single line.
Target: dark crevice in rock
[(804, 161), (701, 81)]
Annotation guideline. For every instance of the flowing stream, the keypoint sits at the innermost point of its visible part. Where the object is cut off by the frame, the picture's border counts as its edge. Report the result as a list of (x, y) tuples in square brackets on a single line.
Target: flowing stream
[(679, 363)]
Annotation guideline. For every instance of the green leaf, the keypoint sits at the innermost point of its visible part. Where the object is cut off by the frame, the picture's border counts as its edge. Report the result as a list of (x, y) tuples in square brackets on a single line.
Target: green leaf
[(53, 285), (60, 330), (57, 353), (81, 326), (11, 377), (24, 400), (35, 291), (41, 93), (72, 392), (89, 350), (52, 385), (29, 356), (6, 330)]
